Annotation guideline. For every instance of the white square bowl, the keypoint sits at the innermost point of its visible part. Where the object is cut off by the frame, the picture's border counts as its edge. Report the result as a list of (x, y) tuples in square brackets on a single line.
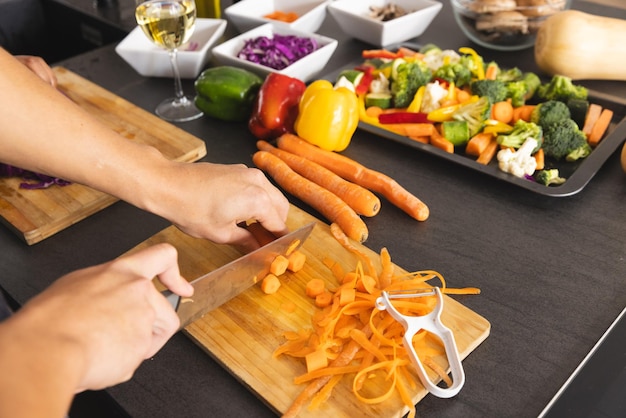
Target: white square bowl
[(305, 69), (248, 14), (353, 18), (150, 60)]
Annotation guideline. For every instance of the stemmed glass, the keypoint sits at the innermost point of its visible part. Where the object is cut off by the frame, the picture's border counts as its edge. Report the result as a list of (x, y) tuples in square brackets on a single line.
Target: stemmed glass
[(169, 24)]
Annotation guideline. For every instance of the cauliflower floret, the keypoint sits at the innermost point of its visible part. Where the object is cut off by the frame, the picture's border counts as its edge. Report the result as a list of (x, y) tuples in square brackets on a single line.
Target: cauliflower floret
[(380, 85), (436, 59), (344, 82), (520, 163), (433, 93)]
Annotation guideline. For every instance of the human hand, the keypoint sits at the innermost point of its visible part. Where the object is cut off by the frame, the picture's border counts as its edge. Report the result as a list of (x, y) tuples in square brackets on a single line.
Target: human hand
[(111, 313), (211, 201), (39, 66)]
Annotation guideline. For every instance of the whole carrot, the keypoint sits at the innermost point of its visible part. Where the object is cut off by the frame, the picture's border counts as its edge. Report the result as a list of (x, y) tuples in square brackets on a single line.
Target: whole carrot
[(357, 197), (319, 198), (357, 173)]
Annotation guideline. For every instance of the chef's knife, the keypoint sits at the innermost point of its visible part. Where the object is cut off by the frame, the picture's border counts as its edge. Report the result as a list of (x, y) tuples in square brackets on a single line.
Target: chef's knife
[(219, 286)]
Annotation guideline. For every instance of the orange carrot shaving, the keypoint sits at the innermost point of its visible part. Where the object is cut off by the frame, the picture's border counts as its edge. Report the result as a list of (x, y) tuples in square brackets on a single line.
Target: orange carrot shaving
[(363, 343), (357, 173), (279, 265), (324, 201), (600, 127), (279, 15), (270, 284), (297, 260), (357, 197)]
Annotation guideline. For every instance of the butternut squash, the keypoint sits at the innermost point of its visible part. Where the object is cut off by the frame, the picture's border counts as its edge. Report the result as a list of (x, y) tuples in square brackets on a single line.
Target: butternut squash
[(582, 46), (624, 158)]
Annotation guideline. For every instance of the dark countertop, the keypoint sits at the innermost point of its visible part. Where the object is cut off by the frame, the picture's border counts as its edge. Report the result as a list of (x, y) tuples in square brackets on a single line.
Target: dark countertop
[(551, 270)]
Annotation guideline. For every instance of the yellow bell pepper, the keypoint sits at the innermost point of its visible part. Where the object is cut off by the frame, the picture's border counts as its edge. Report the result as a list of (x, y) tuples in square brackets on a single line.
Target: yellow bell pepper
[(328, 116), (477, 59)]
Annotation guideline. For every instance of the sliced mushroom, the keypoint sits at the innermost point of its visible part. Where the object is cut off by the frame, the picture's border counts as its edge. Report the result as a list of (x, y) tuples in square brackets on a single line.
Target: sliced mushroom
[(492, 6), (536, 8), (503, 22)]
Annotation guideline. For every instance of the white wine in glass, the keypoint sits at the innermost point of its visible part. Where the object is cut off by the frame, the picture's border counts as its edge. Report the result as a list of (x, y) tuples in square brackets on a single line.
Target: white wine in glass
[(169, 24)]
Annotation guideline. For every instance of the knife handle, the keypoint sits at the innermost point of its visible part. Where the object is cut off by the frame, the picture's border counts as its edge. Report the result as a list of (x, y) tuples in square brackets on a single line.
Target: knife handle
[(172, 298), (262, 235)]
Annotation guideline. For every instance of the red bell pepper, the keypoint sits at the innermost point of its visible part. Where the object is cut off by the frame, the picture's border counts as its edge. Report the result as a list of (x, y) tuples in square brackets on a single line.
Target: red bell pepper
[(276, 106), (403, 117)]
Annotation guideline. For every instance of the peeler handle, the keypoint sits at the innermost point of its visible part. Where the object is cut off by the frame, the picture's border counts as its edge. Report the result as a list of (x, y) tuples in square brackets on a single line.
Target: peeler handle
[(431, 323)]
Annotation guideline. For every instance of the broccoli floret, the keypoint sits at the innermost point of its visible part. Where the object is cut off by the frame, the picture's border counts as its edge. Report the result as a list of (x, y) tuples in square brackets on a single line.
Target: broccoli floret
[(549, 112), (521, 131), (522, 88), (510, 74), (409, 77), (495, 90), (549, 176), (561, 88), (457, 73), (533, 82), (475, 64), (516, 91), (564, 140), (474, 113)]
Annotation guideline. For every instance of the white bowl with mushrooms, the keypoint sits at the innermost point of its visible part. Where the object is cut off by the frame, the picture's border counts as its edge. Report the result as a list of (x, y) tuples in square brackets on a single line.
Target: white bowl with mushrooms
[(383, 22), (504, 25)]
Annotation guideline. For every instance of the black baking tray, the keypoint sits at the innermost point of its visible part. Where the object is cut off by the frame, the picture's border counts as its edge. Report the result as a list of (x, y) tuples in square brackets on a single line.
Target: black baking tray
[(578, 173)]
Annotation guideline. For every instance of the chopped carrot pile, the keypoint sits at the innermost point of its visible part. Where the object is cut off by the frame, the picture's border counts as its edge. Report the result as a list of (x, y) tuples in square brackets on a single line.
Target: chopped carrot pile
[(352, 339), (282, 16)]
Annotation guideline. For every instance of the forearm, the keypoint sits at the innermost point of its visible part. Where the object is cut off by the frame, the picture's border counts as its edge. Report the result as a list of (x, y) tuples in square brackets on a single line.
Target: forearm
[(39, 374), (76, 147)]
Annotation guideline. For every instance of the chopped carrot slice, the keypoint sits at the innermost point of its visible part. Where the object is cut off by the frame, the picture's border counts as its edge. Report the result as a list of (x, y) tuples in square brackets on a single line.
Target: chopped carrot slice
[(540, 158), (323, 300), (487, 155), (270, 284), (279, 265), (478, 143), (316, 360), (296, 259), (315, 287)]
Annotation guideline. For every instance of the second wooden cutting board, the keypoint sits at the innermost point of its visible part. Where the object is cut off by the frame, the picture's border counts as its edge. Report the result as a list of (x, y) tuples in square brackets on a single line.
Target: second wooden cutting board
[(37, 214), (243, 333)]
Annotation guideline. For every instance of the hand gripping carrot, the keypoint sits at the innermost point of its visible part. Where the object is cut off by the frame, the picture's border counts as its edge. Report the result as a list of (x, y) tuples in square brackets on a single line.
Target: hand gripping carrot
[(357, 197), (357, 173), (319, 198)]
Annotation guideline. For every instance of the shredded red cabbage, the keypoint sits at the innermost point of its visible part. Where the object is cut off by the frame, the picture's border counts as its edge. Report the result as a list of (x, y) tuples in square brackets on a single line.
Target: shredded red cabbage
[(278, 52), (41, 181)]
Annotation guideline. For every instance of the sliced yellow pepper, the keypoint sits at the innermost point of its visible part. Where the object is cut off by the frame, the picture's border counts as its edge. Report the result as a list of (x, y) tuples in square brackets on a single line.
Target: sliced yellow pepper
[(327, 116), (496, 127), (416, 103), (478, 61)]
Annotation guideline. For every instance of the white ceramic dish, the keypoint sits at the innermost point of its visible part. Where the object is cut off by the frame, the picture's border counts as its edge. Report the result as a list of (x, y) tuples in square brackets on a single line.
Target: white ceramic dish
[(304, 69), (353, 18), (248, 14), (151, 61)]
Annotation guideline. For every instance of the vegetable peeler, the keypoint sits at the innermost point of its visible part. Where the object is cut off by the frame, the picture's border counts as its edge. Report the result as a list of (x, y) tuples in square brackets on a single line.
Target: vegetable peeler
[(430, 322)]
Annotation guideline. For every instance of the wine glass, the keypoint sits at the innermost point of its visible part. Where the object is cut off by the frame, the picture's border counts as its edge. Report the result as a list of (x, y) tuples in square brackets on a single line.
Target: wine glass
[(169, 24)]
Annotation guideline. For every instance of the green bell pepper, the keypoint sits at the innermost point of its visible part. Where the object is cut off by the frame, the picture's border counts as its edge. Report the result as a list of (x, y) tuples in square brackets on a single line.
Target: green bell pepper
[(227, 93)]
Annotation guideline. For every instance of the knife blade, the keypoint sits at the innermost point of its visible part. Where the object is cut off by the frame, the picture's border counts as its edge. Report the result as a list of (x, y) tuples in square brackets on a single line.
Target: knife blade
[(221, 285)]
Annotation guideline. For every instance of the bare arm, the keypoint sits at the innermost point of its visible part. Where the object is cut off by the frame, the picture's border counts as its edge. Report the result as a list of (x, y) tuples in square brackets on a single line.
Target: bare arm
[(90, 330), (44, 131)]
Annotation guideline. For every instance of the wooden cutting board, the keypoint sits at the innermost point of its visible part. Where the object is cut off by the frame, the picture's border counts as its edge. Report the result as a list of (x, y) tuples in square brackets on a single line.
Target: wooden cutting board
[(243, 333), (37, 214)]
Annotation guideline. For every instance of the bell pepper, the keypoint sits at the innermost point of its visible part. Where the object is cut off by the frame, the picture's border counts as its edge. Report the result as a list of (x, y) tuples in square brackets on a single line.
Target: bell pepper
[(226, 92), (276, 106), (327, 116)]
